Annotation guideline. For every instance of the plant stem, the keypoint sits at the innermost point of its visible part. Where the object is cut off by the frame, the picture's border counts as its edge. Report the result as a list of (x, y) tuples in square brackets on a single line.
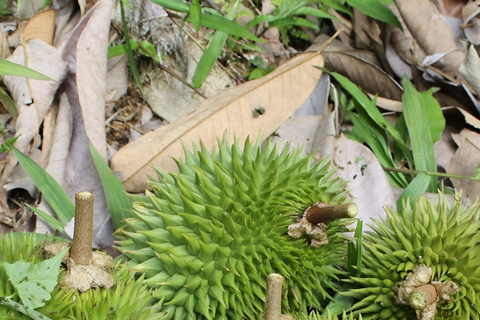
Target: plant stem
[(81, 250), (322, 212), (430, 173), (273, 297), (422, 296)]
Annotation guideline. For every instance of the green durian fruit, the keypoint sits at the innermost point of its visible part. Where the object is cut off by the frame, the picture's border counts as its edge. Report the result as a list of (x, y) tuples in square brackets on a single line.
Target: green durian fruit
[(129, 299), (208, 236), (430, 236), (314, 315)]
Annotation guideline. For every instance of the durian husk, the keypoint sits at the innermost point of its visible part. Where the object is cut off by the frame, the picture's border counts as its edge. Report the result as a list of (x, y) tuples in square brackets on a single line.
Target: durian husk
[(129, 299), (207, 236), (441, 237)]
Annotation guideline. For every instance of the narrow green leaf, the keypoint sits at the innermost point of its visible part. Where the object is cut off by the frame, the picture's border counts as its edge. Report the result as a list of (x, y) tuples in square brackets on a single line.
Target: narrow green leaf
[(222, 24), (8, 103), (35, 315), (434, 114), (294, 21), (175, 5), (48, 218), (13, 69), (375, 9), (417, 187), (56, 197), (211, 54), (195, 14), (421, 139), (370, 107), (131, 61), (316, 13), (118, 201), (365, 130)]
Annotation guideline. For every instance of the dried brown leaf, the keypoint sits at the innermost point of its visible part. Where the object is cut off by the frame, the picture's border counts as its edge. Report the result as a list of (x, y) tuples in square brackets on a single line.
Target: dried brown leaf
[(431, 33), (259, 105), (360, 67), (41, 26)]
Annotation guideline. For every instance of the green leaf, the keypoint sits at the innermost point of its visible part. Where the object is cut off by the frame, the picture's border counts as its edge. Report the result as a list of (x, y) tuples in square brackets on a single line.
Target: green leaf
[(131, 61), (13, 69), (417, 187), (373, 112), (338, 305), (354, 251), (118, 201), (211, 54), (8, 103), (195, 14), (56, 197), (421, 139), (222, 24), (434, 114), (6, 301), (175, 5), (33, 282), (48, 218), (295, 21), (375, 9), (316, 13)]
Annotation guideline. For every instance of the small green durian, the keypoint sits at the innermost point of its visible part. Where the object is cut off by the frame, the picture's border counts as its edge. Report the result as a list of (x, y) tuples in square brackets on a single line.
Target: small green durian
[(314, 315), (207, 236), (129, 299), (430, 247)]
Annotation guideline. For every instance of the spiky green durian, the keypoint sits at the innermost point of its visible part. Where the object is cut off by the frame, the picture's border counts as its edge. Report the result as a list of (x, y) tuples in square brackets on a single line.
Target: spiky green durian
[(314, 315), (129, 299), (433, 236), (208, 236)]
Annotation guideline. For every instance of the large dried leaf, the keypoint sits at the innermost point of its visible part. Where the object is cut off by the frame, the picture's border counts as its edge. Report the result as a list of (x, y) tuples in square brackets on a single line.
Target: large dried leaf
[(470, 19), (253, 107), (430, 32), (465, 163), (359, 67), (367, 182), (33, 102), (41, 26), (84, 88)]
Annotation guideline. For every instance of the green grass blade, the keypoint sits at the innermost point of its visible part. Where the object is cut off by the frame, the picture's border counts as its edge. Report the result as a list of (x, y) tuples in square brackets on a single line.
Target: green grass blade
[(373, 112), (294, 21), (131, 61), (8, 103), (223, 24), (208, 59), (417, 187), (375, 9), (421, 139), (175, 5), (195, 14), (13, 69), (118, 201), (48, 218), (433, 111), (56, 197), (316, 13), (365, 130)]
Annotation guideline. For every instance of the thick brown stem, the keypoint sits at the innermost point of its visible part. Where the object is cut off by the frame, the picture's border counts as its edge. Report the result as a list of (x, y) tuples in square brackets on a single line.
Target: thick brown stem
[(422, 296), (322, 212), (273, 298), (81, 250)]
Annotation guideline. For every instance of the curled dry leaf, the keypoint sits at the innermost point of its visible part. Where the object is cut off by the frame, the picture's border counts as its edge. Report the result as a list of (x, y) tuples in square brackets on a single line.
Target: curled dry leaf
[(246, 110), (431, 33), (361, 68), (470, 69), (471, 22), (41, 26)]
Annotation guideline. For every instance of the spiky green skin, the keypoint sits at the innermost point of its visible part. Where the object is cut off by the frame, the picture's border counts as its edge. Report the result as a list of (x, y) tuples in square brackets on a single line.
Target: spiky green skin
[(208, 236), (129, 299), (314, 315), (443, 238)]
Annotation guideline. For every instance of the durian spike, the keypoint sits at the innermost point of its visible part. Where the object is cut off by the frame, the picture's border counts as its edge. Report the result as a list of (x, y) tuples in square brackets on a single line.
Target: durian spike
[(322, 212), (273, 298), (81, 250)]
